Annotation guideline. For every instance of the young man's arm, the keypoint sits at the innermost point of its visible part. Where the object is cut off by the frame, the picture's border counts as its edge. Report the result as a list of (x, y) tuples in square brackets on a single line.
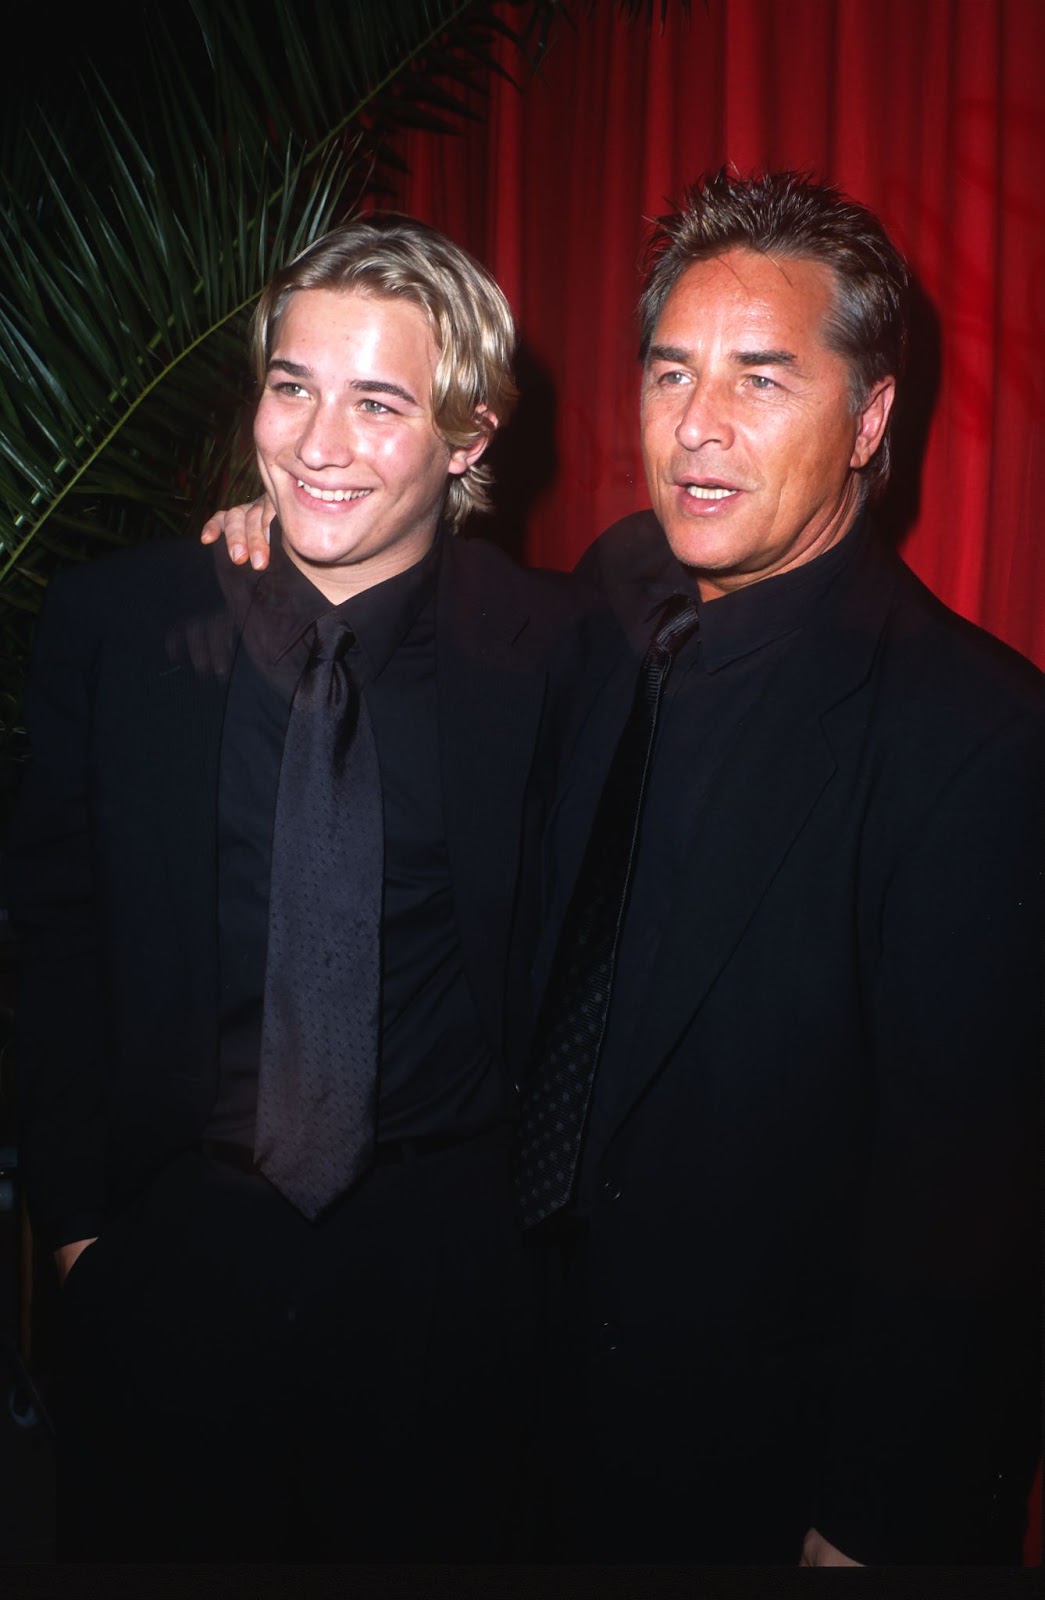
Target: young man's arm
[(51, 892)]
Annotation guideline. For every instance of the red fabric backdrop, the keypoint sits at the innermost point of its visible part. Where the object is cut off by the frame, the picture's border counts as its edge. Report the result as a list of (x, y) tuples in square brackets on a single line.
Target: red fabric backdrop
[(926, 110), (929, 111)]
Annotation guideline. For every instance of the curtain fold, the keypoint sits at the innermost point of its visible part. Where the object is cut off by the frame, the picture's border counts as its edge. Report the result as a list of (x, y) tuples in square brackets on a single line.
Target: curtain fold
[(925, 110), (928, 111)]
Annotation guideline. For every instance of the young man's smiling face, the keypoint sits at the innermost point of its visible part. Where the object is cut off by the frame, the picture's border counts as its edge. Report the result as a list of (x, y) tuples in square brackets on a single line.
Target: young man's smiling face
[(346, 440), (749, 436)]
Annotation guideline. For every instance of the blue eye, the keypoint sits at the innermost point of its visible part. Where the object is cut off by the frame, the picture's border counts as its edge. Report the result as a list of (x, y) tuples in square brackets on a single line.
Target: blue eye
[(374, 408), (761, 383)]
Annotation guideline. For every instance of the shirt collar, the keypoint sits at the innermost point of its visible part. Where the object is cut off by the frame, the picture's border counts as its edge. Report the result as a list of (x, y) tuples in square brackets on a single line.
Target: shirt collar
[(381, 617), (734, 625), (287, 604)]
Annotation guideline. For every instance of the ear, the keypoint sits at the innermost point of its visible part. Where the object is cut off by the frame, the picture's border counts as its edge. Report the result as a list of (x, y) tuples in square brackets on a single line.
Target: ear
[(466, 455), (872, 422)]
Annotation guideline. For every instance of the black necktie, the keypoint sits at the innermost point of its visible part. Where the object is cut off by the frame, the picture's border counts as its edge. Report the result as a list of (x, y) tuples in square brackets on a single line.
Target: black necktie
[(573, 1018), (317, 1079)]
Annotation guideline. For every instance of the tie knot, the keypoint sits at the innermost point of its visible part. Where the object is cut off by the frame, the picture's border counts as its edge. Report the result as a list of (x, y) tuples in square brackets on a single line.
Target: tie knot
[(332, 639), (679, 620)]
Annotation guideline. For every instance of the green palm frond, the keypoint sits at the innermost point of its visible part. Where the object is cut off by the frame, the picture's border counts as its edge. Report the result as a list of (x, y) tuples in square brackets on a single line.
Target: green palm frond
[(125, 265), (143, 207), (103, 307), (141, 214)]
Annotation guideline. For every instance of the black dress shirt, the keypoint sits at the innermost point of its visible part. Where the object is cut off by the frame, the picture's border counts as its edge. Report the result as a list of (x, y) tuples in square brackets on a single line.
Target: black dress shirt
[(716, 681), (438, 1077)]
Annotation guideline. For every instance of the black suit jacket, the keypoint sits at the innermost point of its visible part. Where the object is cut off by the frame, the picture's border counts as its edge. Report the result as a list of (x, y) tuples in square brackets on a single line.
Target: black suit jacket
[(112, 875), (807, 1289)]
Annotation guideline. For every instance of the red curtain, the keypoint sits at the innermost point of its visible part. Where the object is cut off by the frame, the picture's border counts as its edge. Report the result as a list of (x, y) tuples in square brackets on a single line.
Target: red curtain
[(926, 110)]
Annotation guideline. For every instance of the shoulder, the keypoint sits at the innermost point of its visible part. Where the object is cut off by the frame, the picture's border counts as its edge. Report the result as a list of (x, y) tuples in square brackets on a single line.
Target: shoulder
[(946, 667), (925, 707), (161, 568), (631, 551), (135, 590), (484, 564), (484, 580), (630, 565)]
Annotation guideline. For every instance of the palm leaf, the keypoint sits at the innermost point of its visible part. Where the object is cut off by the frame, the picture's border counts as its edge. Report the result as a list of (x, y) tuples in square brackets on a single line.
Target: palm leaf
[(140, 217), (121, 284)]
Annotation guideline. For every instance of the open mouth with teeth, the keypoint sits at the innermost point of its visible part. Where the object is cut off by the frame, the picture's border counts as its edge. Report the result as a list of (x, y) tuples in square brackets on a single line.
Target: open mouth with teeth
[(700, 491), (329, 495)]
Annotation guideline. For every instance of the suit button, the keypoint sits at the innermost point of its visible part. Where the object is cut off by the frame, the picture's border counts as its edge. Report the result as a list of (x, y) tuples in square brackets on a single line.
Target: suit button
[(611, 1189), (609, 1336)]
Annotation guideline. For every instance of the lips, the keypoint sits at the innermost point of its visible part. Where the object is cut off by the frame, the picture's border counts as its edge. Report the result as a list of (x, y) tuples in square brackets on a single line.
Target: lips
[(705, 496), (330, 496), (701, 491)]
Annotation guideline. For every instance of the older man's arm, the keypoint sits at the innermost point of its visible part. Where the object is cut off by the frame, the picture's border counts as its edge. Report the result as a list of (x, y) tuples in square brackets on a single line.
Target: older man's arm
[(937, 1418)]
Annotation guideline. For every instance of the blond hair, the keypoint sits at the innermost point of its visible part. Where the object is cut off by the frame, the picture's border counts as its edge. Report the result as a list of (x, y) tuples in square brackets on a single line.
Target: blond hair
[(397, 257)]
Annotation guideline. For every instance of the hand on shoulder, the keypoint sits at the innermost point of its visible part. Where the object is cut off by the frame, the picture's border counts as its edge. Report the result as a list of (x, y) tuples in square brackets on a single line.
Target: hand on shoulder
[(246, 530)]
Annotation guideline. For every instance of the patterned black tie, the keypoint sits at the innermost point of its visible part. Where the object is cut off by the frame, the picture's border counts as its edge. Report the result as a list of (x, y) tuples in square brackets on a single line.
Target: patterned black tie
[(573, 1018), (317, 1080)]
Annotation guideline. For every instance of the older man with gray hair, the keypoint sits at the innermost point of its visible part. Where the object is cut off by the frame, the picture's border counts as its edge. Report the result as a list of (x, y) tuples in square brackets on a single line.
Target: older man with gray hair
[(784, 1175)]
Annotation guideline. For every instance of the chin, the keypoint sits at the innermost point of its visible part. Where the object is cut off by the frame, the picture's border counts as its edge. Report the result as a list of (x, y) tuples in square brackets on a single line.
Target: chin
[(320, 546), (697, 548)]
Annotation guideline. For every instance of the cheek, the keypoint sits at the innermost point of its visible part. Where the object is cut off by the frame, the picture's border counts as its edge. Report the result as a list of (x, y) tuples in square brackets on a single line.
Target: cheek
[(809, 460), (658, 441), (426, 462), (267, 433), (825, 465), (387, 449)]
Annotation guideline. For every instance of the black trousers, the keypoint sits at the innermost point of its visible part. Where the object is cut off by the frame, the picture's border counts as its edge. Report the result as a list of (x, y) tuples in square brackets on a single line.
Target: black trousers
[(246, 1386)]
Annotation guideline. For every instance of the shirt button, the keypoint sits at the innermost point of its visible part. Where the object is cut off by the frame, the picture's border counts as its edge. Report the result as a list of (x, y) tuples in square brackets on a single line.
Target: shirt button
[(611, 1189), (609, 1336)]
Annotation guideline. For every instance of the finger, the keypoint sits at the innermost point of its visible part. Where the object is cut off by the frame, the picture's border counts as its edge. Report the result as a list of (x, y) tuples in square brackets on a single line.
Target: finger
[(256, 529), (213, 528), (229, 523), (234, 529)]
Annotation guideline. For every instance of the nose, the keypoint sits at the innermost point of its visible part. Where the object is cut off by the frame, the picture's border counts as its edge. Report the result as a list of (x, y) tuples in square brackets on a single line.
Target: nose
[(326, 439), (705, 417)]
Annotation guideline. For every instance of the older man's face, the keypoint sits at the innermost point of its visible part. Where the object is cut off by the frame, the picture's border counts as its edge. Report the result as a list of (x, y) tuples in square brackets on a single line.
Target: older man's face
[(749, 438)]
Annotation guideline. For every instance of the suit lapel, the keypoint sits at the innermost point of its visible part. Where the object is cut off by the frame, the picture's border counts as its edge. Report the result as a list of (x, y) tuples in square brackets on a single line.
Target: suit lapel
[(743, 835), (769, 782), (490, 698)]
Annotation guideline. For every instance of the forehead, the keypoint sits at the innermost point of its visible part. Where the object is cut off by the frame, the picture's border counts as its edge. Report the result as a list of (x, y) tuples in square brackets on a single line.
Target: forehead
[(766, 299), (353, 325)]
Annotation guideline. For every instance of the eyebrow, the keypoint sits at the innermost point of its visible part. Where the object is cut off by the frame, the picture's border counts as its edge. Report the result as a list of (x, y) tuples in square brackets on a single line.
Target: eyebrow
[(294, 369), (764, 358), (379, 386), (740, 358)]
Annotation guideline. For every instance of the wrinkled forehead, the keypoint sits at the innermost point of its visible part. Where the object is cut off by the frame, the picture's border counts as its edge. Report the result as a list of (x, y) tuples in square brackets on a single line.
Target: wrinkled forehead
[(743, 292)]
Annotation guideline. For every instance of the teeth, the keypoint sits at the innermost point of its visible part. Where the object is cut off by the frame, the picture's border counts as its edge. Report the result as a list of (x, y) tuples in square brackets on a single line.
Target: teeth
[(331, 494), (698, 492)]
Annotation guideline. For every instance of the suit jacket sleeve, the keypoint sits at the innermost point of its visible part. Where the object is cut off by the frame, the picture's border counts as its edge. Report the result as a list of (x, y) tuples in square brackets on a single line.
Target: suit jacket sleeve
[(54, 905), (936, 1423)]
